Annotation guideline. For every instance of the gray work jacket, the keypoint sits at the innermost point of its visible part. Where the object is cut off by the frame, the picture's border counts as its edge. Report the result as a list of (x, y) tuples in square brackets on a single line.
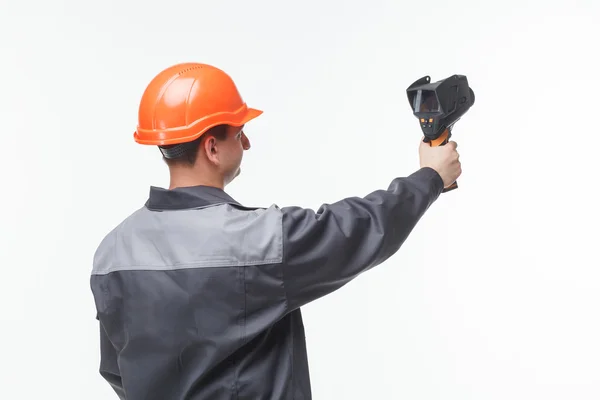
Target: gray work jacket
[(199, 298)]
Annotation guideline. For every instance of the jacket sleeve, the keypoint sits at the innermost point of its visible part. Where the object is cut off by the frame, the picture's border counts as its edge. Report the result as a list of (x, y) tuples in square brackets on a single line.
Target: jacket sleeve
[(326, 249), (109, 369)]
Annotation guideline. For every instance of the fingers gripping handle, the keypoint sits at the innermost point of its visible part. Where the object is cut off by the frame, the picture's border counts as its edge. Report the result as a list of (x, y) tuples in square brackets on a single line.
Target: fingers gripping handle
[(441, 141)]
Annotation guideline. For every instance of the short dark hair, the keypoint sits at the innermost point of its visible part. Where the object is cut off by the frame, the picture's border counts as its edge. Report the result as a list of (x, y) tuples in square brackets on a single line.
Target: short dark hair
[(187, 152)]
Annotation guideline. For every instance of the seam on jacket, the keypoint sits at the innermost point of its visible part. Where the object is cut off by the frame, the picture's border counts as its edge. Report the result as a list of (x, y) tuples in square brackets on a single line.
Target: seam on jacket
[(287, 302), (282, 260), (209, 264), (242, 325), (245, 314)]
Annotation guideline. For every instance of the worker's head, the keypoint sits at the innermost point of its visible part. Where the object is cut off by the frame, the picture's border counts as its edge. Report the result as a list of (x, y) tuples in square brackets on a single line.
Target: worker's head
[(215, 157), (196, 116)]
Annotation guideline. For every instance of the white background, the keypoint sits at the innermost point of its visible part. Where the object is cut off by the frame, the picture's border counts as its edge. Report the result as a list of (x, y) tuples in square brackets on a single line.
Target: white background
[(495, 295)]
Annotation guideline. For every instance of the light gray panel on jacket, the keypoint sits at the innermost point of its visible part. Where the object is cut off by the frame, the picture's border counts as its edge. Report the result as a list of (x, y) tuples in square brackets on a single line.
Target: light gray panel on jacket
[(216, 236)]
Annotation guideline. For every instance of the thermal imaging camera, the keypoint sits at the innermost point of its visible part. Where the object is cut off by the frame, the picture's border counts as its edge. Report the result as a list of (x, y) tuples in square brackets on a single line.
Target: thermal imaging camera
[(438, 105)]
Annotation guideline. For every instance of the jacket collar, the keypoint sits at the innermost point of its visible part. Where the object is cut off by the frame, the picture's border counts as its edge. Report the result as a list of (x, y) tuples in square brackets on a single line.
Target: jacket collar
[(186, 197)]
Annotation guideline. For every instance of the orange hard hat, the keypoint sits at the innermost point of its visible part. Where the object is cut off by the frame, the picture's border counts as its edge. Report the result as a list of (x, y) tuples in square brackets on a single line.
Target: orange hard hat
[(185, 100)]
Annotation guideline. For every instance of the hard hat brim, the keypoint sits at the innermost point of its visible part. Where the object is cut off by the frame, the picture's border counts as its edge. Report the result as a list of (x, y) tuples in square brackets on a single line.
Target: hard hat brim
[(164, 137), (250, 115)]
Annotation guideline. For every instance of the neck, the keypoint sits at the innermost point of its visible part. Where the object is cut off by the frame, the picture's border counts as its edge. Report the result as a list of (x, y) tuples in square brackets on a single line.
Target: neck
[(190, 177)]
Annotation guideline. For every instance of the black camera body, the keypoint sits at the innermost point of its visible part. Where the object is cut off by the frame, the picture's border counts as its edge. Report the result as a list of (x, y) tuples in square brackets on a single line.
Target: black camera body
[(440, 104)]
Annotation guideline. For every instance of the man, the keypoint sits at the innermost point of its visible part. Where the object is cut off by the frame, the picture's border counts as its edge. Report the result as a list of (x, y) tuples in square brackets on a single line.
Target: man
[(199, 297)]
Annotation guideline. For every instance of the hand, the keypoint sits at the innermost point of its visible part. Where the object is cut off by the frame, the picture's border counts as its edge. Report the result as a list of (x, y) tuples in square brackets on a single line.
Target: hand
[(443, 159)]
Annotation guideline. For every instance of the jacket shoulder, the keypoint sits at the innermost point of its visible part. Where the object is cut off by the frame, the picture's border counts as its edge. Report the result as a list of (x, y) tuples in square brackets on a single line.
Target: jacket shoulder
[(103, 258)]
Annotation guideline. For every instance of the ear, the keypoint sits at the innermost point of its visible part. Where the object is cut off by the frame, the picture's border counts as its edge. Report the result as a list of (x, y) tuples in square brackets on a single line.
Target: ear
[(211, 149), (245, 142)]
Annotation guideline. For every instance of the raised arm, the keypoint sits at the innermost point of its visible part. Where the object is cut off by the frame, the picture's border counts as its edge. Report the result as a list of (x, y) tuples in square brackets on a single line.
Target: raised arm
[(326, 249)]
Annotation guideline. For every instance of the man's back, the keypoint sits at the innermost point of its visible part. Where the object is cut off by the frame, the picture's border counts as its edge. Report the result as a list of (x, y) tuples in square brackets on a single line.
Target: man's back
[(189, 300), (199, 297)]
